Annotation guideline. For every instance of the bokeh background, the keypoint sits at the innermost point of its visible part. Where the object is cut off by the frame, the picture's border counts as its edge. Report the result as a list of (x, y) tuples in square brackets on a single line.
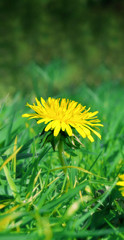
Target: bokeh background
[(52, 46)]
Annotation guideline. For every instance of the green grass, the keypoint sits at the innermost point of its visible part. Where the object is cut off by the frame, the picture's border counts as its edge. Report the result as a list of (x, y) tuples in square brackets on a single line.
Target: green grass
[(37, 200)]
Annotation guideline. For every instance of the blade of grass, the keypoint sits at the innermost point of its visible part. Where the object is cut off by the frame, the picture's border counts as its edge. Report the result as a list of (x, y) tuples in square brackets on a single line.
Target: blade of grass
[(10, 158), (95, 161), (8, 175), (44, 196), (8, 136), (78, 168), (11, 183), (14, 158)]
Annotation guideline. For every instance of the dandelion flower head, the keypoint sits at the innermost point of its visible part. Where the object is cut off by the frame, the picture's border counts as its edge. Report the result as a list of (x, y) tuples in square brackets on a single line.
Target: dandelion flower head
[(121, 183), (65, 115)]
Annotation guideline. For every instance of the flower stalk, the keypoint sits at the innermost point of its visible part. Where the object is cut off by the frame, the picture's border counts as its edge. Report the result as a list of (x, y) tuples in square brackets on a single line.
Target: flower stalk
[(61, 154)]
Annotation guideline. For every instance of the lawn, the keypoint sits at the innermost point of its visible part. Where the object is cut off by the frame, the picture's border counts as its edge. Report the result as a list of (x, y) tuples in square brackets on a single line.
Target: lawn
[(39, 198)]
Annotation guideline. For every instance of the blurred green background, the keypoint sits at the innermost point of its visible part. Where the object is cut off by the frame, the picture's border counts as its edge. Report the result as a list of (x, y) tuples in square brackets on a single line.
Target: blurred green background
[(52, 46)]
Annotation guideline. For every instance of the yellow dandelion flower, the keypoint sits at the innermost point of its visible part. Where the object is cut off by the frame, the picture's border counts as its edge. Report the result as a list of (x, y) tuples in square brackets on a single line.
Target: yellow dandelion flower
[(121, 183), (65, 115)]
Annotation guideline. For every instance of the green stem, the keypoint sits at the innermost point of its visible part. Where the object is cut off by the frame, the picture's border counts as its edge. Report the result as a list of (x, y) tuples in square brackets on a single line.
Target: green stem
[(61, 153)]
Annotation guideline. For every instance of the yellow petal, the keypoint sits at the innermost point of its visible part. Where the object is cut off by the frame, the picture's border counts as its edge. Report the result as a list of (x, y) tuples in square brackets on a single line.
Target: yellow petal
[(95, 132), (94, 113), (26, 115), (48, 127), (43, 101), (121, 189), (69, 130), (38, 102), (57, 129), (40, 121), (72, 105), (63, 126), (121, 176), (90, 138), (120, 183), (64, 103), (81, 132), (85, 130)]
